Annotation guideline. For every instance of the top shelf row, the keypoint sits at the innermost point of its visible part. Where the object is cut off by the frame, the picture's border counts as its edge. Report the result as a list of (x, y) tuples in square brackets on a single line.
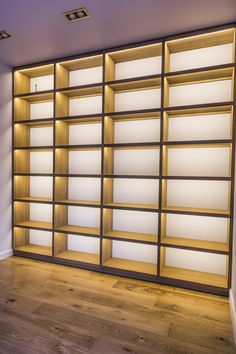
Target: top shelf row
[(212, 49)]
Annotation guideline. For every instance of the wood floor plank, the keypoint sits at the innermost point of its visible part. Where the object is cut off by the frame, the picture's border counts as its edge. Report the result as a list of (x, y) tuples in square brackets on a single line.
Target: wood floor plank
[(47, 308)]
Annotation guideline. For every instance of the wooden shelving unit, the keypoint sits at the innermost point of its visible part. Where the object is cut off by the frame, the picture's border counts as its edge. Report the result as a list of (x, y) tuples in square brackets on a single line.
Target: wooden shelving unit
[(124, 160)]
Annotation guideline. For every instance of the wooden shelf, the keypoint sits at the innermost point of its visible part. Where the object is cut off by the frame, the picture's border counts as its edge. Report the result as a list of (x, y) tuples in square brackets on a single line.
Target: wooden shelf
[(36, 249), (22, 79), (131, 205), (34, 199), (116, 131), (201, 244), (132, 266), (24, 134), (35, 224), (196, 42), (22, 106), (79, 229), (134, 57), (135, 236), (113, 89), (79, 257), (196, 210), (65, 97), (78, 202), (195, 276), (68, 73)]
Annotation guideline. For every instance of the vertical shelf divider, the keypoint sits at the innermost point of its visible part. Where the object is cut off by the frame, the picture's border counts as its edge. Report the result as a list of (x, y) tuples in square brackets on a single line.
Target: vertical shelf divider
[(161, 158), (54, 161), (102, 157), (232, 180)]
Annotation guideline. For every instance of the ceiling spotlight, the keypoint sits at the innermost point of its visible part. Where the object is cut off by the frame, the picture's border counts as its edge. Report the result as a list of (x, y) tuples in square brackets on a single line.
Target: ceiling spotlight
[(77, 14), (5, 35)]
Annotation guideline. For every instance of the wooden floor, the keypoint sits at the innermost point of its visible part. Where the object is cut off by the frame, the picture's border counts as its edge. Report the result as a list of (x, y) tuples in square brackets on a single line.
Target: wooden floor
[(46, 308)]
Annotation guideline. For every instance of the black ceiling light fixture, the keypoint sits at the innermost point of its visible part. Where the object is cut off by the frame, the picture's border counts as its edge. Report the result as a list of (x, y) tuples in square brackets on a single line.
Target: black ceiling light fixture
[(77, 14), (5, 34)]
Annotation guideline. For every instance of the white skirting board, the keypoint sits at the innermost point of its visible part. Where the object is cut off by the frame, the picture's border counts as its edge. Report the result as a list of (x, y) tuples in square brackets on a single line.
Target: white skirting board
[(233, 313), (6, 254)]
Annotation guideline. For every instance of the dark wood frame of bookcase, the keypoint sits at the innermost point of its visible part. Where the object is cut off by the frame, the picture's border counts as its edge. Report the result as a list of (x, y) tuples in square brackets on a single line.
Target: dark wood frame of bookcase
[(152, 278)]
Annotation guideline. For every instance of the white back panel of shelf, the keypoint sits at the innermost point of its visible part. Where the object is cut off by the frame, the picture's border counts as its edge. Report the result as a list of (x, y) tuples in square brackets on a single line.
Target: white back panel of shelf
[(205, 127), (139, 67), (134, 251), (199, 261), (137, 191), (197, 58), (83, 216), (41, 83), (41, 186), (136, 162), (147, 130), (41, 110), (200, 93), (40, 238), (85, 162), (41, 136), (85, 76), (84, 188), (83, 244), (39, 213), (199, 161), (197, 227), (85, 134), (142, 99), (135, 221), (198, 194), (85, 105), (41, 162)]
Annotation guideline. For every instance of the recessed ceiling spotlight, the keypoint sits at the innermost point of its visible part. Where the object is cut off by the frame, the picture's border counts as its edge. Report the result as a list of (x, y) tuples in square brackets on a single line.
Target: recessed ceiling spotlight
[(77, 14), (5, 35)]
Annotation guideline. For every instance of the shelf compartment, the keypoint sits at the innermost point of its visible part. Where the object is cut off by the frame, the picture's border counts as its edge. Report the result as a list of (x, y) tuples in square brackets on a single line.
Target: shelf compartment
[(204, 87), (194, 266), (133, 225), (201, 232), (33, 188), (210, 49), (133, 95), (33, 161), (78, 161), (196, 196), (197, 160), (38, 106), (79, 131), (78, 190), (137, 160), (80, 101), (36, 79), (77, 248), (198, 124), (77, 219), (132, 128), (134, 62), (27, 135), (129, 256), (32, 241), (136, 193), (80, 71), (33, 215)]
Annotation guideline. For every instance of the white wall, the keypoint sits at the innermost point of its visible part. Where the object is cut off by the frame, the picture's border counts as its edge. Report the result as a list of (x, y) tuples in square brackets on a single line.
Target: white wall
[(5, 160)]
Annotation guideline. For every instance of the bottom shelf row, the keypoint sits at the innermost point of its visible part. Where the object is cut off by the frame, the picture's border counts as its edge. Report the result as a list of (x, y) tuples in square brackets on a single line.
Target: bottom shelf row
[(188, 265)]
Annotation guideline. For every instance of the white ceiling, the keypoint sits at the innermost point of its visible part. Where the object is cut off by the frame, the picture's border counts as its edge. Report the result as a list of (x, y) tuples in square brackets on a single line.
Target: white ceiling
[(41, 33)]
